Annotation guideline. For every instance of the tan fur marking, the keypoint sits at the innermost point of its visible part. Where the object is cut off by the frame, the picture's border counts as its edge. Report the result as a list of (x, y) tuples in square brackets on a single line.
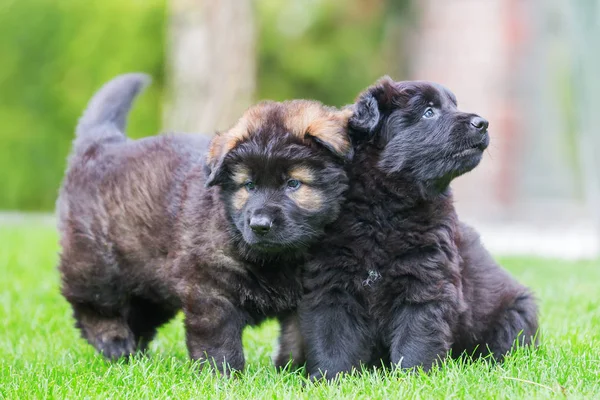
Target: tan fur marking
[(307, 198), (300, 117), (332, 131), (240, 198), (304, 117), (223, 142), (241, 174), (303, 174)]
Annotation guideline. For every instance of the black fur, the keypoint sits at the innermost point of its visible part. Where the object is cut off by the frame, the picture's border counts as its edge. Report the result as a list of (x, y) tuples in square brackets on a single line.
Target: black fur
[(398, 279)]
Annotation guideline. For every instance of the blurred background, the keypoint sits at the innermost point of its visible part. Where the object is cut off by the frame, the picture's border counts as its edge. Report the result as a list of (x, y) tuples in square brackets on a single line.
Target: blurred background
[(529, 66)]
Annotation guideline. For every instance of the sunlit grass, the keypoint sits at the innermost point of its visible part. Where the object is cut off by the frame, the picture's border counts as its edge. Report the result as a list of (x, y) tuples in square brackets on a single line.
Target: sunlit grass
[(41, 354)]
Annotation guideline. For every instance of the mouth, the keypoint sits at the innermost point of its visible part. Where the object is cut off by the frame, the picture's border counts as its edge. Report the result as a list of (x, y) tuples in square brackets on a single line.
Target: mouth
[(266, 246), (277, 247), (474, 149)]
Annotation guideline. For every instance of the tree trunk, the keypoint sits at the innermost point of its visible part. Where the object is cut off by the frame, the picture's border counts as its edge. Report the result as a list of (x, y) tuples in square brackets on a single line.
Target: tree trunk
[(211, 64)]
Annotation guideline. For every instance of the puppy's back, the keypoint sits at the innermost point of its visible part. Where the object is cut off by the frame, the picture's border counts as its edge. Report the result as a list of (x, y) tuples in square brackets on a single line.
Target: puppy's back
[(483, 278), (118, 200)]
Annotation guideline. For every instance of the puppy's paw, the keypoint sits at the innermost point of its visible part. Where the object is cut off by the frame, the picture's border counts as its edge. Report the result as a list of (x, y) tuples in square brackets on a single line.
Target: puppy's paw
[(112, 338), (116, 347)]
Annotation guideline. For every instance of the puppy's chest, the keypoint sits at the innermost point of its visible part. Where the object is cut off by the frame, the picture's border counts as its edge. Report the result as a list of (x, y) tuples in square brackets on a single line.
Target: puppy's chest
[(261, 290), (406, 270), (378, 280), (270, 293)]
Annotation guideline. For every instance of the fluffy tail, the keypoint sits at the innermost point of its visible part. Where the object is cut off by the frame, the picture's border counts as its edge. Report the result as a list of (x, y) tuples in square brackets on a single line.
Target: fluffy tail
[(106, 114)]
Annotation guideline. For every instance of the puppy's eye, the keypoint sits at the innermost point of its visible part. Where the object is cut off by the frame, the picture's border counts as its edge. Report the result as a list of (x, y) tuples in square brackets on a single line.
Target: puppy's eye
[(293, 184), (250, 186), (428, 113)]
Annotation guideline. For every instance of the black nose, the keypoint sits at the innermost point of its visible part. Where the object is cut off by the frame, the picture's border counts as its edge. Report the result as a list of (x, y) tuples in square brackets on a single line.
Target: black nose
[(480, 124), (261, 224)]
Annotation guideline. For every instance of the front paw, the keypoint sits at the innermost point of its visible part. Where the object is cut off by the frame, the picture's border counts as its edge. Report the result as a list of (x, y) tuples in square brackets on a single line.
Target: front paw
[(115, 348)]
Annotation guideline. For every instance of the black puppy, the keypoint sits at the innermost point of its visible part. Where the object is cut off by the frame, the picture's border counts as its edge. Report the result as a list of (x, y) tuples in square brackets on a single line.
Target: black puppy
[(397, 278), (147, 227)]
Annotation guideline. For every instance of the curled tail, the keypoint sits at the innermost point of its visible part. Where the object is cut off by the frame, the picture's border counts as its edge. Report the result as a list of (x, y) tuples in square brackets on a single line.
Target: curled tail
[(106, 114)]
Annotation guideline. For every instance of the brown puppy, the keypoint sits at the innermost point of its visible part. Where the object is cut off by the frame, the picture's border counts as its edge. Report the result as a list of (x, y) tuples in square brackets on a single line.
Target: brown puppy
[(143, 234)]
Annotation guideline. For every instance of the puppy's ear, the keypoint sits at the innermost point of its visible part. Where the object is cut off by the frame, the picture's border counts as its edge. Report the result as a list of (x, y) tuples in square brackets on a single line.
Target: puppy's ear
[(366, 113), (369, 105), (330, 130), (213, 165), (220, 146), (326, 126), (223, 143)]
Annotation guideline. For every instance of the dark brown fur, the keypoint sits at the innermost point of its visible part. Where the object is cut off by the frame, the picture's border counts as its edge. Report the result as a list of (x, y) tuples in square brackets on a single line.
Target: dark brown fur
[(143, 235)]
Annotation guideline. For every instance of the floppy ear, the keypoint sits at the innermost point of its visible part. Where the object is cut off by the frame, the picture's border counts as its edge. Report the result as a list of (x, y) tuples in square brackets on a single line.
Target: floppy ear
[(220, 146), (366, 113), (214, 174), (222, 143), (369, 104), (213, 165), (331, 132)]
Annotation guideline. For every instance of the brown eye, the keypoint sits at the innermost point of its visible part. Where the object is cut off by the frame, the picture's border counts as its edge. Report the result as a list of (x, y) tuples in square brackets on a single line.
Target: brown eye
[(293, 184)]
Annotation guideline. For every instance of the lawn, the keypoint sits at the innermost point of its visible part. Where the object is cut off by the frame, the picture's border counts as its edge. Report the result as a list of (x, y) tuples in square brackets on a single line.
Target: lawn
[(42, 356)]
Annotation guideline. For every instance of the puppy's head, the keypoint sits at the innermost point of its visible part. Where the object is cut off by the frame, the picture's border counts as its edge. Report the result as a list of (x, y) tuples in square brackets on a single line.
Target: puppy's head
[(419, 131), (281, 170)]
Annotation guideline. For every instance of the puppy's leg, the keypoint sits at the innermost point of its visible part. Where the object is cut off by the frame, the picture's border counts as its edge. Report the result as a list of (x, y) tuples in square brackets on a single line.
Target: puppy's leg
[(291, 344), (145, 317), (99, 301), (106, 330), (502, 310), (214, 332), (517, 324), (336, 336), (420, 335)]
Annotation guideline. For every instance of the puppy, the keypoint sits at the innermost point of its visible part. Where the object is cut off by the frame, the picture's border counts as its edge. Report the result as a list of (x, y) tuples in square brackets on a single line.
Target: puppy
[(148, 227), (397, 278)]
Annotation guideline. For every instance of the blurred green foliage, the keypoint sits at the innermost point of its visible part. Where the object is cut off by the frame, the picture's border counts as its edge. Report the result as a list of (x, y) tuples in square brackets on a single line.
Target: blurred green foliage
[(54, 54), (329, 50)]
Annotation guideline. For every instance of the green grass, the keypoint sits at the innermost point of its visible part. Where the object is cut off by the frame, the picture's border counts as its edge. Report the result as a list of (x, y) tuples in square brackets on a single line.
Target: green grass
[(42, 356)]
